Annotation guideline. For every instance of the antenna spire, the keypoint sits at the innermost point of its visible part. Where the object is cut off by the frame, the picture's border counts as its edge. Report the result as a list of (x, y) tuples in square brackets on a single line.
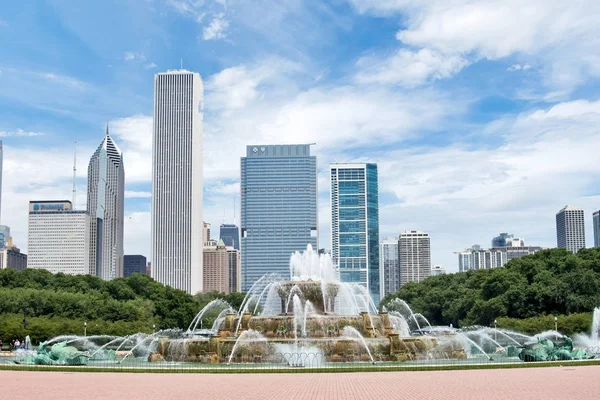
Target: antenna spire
[(181, 61), (75, 175)]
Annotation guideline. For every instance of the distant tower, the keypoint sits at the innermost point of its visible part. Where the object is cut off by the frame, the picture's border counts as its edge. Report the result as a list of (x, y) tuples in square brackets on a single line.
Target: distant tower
[(570, 229), (414, 253), (596, 221), (1, 167), (355, 224), (177, 180), (105, 204)]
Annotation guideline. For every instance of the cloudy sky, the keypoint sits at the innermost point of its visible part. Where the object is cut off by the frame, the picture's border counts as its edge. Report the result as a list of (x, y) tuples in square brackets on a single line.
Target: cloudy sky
[(483, 115)]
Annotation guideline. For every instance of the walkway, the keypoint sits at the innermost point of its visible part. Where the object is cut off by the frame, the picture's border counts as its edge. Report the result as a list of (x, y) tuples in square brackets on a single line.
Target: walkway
[(531, 383)]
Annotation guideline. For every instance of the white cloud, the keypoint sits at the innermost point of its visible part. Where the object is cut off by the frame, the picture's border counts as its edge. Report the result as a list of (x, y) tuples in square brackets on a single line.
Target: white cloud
[(20, 133), (150, 65), (519, 67), (217, 29), (134, 136), (560, 36), (137, 233), (408, 68), (64, 80)]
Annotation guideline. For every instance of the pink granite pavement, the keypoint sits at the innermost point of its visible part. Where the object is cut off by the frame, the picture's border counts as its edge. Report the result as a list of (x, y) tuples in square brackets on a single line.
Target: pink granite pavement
[(503, 384)]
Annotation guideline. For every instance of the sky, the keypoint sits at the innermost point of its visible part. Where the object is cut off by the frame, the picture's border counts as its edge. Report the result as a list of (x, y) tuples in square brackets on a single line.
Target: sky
[(482, 115)]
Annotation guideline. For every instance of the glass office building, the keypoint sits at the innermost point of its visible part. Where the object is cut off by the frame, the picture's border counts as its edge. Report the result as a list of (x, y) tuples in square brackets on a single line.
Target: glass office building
[(230, 235), (355, 224), (279, 208)]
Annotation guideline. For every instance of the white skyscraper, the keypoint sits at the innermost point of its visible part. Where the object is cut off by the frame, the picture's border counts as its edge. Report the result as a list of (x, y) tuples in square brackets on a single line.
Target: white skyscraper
[(1, 171), (414, 253), (570, 229), (177, 180), (57, 237), (389, 268), (105, 205)]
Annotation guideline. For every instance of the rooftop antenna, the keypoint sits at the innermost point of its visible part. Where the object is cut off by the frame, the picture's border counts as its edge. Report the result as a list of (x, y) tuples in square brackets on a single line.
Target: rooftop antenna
[(75, 176), (181, 62)]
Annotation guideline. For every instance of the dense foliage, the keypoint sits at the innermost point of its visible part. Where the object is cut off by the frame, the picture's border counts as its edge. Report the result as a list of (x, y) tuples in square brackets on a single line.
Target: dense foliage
[(52, 304), (551, 282)]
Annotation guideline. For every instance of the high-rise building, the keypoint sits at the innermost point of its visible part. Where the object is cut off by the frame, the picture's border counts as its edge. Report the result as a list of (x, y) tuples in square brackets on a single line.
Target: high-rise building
[(134, 264), (438, 270), (216, 267), (389, 267), (235, 269), (4, 235), (58, 237), (477, 258), (1, 173), (206, 232), (177, 236), (570, 229), (106, 205), (414, 253), (596, 222), (230, 235), (11, 257), (279, 208), (355, 224), (501, 239)]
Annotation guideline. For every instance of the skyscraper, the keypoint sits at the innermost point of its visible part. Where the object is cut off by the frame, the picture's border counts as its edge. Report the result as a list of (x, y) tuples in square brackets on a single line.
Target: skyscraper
[(389, 268), (1, 173), (216, 267), (58, 237), (570, 229), (134, 264), (355, 224), (177, 180), (4, 235), (106, 205), (279, 208), (230, 235), (414, 252), (596, 222), (205, 232)]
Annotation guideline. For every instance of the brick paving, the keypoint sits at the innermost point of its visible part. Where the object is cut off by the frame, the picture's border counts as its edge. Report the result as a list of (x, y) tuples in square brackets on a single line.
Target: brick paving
[(502, 384)]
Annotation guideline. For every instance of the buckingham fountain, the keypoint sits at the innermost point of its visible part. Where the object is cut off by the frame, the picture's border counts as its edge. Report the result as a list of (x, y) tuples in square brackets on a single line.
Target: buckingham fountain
[(311, 319)]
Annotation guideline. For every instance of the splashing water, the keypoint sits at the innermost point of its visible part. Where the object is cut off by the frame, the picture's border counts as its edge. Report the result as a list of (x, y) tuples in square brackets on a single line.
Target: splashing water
[(351, 333)]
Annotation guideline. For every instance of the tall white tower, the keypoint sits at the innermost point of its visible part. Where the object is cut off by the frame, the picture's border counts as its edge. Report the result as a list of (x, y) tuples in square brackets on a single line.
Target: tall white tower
[(105, 205), (177, 180), (570, 229)]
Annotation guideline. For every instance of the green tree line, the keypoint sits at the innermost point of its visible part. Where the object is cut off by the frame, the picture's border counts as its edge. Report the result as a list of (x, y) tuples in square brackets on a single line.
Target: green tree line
[(550, 282), (42, 305)]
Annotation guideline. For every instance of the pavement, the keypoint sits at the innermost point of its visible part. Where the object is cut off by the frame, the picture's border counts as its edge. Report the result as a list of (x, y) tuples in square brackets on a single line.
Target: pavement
[(500, 384)]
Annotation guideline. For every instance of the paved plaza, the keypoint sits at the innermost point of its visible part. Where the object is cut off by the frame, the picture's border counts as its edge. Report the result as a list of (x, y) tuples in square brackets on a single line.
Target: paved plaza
[(503, 384)]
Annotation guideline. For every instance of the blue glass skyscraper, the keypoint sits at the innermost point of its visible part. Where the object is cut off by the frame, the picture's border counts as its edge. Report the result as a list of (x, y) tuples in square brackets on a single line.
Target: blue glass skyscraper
[(230, 235), (355, 224), (279, 208)]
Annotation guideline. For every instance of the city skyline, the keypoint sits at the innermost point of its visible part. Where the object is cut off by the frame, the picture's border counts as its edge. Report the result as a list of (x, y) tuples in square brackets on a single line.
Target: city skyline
[(439, 113)]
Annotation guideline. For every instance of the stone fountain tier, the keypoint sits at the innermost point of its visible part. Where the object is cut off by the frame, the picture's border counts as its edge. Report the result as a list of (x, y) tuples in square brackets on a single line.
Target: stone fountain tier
[(217, 350), (308, 291)]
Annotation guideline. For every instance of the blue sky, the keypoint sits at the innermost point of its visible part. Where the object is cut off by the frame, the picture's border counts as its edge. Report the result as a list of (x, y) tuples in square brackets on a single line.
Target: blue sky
[(483, 115)]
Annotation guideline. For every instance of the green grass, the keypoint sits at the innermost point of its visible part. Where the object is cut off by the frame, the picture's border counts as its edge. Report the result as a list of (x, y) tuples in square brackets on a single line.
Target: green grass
[(366, 368)]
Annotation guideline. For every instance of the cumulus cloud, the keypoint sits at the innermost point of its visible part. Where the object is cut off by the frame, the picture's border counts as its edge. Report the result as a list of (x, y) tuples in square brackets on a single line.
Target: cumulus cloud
[(408, 68), (20, 133), (519, 67), (562, 37), (216, 29)]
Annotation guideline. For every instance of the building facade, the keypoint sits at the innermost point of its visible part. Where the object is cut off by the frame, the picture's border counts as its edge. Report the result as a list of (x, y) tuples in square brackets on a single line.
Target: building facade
[(216, 267), (235, 269), (279, 208), (414, 254), (205, 232), (230, 235), (570, 229), (438, 270), (355, 224), (106, 205), (4, 235), (11, 257), (389, 267), (134, 264), (177, 223), (596, 222), (1, 173), (477, 258), (58, 237)]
